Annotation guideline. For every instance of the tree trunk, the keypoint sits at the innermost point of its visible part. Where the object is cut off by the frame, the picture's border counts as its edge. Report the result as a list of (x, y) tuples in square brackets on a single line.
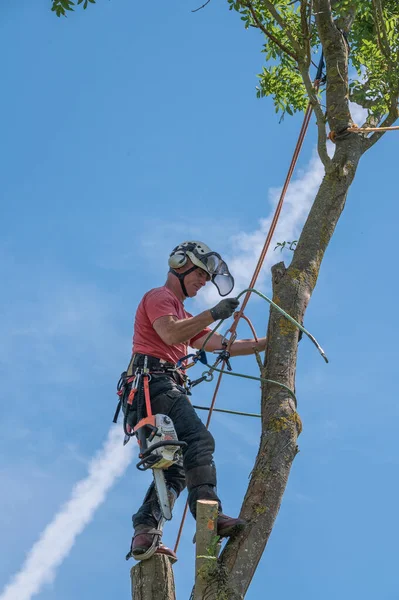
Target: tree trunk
[(153, 579), (281, 424)]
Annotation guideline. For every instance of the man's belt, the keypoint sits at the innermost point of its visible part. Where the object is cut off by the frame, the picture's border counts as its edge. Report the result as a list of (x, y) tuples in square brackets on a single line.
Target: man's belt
[(153, 364)]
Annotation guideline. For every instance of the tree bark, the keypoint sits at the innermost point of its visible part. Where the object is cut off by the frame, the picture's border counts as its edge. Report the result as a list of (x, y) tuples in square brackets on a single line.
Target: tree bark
[(206, 546), (281, 424), (153, 579)]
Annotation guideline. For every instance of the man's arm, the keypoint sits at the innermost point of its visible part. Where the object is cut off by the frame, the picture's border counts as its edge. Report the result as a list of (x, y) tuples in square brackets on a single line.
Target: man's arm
[(238, 348), (173, 331)]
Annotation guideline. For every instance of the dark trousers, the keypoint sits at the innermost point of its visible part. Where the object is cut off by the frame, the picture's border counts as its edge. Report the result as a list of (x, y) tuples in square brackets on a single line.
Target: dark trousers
[(198, 470)]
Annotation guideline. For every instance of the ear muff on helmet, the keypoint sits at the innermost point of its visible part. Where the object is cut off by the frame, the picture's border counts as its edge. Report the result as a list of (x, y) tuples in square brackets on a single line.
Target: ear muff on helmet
[(177, 260)]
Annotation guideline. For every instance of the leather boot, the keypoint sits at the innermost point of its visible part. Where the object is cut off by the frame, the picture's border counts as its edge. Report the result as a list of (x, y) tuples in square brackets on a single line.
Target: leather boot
[(229, 526), (144, 542)]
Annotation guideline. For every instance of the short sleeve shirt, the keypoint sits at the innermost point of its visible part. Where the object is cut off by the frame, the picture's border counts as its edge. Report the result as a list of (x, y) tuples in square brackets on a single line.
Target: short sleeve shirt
[(160, 302)]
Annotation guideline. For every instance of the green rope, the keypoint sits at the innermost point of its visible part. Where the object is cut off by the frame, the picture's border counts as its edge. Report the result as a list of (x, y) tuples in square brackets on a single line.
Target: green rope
[(209, 377), (277, 307), (287, 316), (230, 412)]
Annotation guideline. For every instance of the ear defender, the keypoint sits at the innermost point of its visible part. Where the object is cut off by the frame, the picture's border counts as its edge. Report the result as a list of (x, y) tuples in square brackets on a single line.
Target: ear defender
[(177, 259)]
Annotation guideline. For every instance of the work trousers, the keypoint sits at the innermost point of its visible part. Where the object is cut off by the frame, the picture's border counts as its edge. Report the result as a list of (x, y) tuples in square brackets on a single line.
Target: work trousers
[(197, 470)]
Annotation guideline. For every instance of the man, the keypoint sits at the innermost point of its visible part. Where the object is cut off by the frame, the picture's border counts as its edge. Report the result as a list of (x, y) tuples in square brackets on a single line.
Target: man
[(162, 331)]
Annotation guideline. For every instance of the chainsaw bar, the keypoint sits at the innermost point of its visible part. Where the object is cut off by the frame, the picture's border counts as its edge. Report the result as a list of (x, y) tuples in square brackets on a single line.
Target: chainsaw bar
[(162, 493)]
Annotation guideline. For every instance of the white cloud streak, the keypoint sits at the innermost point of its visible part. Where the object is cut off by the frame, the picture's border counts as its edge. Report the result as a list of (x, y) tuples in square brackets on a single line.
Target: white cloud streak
[(58, 537), (243, 249)]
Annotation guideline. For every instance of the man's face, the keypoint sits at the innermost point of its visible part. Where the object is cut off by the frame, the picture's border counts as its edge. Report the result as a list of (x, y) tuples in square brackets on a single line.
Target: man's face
[(194, 281)]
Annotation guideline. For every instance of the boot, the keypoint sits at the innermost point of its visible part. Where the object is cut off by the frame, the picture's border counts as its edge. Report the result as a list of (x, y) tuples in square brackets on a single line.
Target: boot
[(228, 526), (162, 549), (146, 542)]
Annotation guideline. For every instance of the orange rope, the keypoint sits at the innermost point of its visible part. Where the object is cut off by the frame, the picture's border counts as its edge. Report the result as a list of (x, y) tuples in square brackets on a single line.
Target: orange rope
[(240, 314), (355, 129), (215, 393), (250, 325), (366, 129)]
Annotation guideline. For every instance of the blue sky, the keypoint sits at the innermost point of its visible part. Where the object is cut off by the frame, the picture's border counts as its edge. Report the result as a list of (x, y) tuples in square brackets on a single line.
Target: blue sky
[(126, 129)]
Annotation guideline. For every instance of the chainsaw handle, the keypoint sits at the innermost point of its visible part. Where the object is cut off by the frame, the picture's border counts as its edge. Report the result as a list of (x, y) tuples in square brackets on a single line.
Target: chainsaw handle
[(146, 455), (161, 444)]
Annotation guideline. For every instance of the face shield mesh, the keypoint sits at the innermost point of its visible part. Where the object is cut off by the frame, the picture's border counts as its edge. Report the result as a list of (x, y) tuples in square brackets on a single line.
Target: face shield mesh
[(219, 271)]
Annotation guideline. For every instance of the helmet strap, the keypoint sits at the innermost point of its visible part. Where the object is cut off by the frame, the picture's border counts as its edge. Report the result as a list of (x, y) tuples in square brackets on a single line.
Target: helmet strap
[(181, 276)]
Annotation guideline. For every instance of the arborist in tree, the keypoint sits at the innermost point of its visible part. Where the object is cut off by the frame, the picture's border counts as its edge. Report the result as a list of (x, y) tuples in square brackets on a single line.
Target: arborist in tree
[(163, 329)]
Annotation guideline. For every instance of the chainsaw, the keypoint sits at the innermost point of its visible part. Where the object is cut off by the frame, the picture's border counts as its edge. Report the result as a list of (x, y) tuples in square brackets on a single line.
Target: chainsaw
[(156, 436), (160, 450)]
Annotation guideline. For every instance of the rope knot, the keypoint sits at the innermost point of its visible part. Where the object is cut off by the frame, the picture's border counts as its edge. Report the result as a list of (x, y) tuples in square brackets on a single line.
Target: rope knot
[(343, 133)]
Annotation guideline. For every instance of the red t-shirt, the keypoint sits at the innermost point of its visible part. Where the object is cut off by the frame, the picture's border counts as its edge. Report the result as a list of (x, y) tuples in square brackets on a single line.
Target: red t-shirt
[(159, 302)]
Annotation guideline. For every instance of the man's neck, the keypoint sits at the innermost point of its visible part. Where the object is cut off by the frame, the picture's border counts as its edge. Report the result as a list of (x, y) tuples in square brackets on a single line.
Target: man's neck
[(173, 284)]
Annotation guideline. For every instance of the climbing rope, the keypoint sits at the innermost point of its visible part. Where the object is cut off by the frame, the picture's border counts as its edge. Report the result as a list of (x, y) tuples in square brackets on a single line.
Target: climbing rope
[(229, 412), (251, 287), (367, 129), (355, 129), (277, 307)]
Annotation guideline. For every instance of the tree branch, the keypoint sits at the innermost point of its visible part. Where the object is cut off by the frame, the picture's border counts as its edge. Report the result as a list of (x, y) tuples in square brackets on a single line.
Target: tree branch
[(336, 57), (153, 579), (345, 21), (279, 19), (269, 35), (201, 7), (381, 30), (364, 103), (320, 118), (305, 8), (388, 121), (207, 546)]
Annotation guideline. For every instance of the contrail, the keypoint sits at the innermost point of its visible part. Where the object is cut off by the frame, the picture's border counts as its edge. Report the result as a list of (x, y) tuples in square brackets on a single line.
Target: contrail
[(59, 536), (246, 247)]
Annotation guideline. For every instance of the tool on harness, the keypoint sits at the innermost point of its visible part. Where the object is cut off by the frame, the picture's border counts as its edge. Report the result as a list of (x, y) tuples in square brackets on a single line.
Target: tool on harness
[(196, 356), (223, 356), (156, 434)]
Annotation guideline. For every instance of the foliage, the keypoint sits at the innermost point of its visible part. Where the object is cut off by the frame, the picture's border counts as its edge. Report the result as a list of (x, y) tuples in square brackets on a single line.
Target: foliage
[(288, 245), (280, 77), (60, 7), (291, 40), (374, 42)]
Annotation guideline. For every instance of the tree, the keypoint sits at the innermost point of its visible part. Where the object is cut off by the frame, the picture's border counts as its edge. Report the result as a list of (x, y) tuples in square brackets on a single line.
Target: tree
[(61, 7), (360, 44), (357, 37)]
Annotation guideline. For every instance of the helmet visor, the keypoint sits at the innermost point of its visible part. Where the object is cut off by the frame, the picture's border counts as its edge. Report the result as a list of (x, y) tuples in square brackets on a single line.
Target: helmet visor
[(219, 272)]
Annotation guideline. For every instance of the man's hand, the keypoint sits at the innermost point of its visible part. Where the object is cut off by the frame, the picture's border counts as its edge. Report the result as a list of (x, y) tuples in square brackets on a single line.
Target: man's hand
[(224, 309)]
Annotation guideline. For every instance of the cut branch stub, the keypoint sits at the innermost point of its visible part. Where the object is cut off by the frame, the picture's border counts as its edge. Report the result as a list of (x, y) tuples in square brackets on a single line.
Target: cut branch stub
[(153, 579), (207, 546)]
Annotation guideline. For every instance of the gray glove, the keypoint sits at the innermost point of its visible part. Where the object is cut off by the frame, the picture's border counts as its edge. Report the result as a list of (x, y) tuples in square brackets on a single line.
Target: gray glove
[(224, 309)]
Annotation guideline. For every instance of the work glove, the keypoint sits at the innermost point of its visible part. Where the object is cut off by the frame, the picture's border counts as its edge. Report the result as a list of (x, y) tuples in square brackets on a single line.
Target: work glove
[(224, 309)]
